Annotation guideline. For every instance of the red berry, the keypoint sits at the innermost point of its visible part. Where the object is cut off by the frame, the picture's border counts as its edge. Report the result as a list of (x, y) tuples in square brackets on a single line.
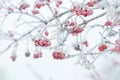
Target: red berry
[(91, 3), (85, 43), (36, 42), (58, 55), (102, 47), (85, 12), (48, 0), (47, 43), (59, 2), (72, 23), (24, 6), (108, 23), (39, 5), (37, 55), (35, 12), (55, 13), (46, 33), (117, 49), (41, 42), (76, 30)]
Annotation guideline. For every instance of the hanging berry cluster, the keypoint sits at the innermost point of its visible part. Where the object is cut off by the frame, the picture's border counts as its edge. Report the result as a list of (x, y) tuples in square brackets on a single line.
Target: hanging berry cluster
[(76, 30), (37, 55), (42, 42), (58, 55), (78, 10)]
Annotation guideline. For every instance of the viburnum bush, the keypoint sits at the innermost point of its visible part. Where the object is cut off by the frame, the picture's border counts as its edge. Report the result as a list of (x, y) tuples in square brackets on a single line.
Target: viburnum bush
[(66, 28)]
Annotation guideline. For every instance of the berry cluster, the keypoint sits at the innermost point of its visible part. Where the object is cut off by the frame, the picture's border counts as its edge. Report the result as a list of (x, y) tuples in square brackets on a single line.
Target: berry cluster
[(58, 55), (108, 23), (42, 42), (102, 47), (39, 5), (37, 55), (76, 30), (80, 11)]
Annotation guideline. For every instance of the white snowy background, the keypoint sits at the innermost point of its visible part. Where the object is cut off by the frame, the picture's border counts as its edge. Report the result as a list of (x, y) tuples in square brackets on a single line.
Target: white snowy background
[(47, 68)]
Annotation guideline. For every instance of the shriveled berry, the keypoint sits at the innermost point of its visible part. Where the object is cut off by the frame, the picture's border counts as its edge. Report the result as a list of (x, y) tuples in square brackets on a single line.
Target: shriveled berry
[(117, 42), (77, 47), (13, 57), (27, 54)]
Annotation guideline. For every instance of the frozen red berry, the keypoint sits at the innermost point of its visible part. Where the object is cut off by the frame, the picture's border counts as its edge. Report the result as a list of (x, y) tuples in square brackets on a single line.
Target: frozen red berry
[(71, 23), (39, 5), (85, 43), (91, 3), (36, 42), (117, 49), (35, 12), (37, 55), (76, 30), (102, 47), (58, 55), (24, 6), (58, 3), (108, 23)]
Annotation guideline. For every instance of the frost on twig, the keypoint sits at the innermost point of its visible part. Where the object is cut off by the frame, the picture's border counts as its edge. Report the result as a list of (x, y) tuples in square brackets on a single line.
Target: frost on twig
[(52, 25)]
